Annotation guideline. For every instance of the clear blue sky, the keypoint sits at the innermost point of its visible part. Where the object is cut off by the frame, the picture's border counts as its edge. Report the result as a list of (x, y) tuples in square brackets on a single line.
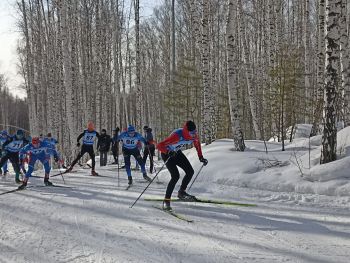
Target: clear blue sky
[(9, 38)]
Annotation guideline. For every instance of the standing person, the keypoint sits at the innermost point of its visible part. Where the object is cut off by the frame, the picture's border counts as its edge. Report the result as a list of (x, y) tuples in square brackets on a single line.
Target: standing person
[(3, 138), (10, 152), (41, 151), (89, 135), (150, 147), (130, 139), (115, 145), (173, 156), (103, 145)]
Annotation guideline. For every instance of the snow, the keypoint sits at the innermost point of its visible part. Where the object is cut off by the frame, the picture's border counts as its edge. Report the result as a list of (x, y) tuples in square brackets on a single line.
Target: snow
[(302, 213)]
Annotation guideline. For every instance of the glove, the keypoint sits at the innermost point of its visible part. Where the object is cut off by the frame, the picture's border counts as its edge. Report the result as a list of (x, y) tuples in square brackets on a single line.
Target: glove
[(172, 154), (3, 154), (147, 143), (203, 160), (78, 144), (56, 159)]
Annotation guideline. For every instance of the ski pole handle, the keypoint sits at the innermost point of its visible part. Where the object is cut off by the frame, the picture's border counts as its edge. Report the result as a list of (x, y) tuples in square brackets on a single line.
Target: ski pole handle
[(150, 183)]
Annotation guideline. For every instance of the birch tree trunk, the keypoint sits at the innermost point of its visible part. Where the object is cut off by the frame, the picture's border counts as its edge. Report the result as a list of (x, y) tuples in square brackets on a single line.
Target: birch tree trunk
[(248, 72), (238, 137), (332, 81), (207, 92), (67, 76), (345, 60), (317, 116)]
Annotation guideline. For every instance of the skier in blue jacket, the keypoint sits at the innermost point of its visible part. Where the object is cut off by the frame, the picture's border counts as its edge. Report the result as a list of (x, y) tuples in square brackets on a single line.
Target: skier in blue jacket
[(130, 139), (41, 151), (10, 152)]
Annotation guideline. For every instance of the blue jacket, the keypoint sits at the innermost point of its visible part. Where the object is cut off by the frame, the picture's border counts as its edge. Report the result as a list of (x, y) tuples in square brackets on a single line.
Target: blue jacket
[(42, 152), (131, 142)]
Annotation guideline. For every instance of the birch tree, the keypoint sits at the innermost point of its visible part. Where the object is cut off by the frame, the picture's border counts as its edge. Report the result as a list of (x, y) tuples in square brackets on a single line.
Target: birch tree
[(332, 81), (231, 43)]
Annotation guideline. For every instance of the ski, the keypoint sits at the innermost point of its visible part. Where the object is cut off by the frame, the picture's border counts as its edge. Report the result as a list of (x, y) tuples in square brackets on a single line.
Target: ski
[(61, 173), (207, 201), (174, 214), (12, 191), (48, 186)]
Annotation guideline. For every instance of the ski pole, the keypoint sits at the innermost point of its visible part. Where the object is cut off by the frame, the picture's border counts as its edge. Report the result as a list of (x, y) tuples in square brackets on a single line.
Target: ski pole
[(200, 169), (59, 168), (149, 183), (118, 169)]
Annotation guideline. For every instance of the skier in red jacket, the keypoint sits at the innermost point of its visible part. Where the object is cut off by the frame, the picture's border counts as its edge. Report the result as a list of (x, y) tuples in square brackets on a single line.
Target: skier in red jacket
[(171, 152)]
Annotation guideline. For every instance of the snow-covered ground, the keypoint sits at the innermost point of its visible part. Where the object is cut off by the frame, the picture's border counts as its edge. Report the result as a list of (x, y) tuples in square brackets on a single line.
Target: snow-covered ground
[(302, 214)]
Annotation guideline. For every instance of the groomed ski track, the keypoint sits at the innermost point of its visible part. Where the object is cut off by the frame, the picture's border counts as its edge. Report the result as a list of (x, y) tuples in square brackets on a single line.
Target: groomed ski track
[(92, 222)]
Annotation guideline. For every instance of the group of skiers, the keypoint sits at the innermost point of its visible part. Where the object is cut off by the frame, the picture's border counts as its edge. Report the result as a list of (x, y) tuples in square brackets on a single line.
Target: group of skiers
[(17, 149)]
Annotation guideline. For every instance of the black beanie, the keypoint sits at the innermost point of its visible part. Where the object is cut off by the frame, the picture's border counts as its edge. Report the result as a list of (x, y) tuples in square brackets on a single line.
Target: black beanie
[(191, 126)]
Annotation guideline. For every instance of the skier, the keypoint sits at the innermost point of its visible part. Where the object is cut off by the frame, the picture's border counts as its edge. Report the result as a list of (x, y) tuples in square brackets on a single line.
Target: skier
[(103, 145), (171, 153), (10, 152), (41, 151), (88, 136), (115, 146), (3, 138), (150, 147), (51, 140), (130, 138)]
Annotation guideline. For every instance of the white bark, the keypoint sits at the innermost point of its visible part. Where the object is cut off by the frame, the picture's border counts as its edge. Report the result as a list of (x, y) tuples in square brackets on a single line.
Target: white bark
[(231, 76), (332, 81)]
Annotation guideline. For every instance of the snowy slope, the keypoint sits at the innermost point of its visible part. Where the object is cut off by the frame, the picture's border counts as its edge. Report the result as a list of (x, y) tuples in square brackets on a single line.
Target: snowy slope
[(92, 221)]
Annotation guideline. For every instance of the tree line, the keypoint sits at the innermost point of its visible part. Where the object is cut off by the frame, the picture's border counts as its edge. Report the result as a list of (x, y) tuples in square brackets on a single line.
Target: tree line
[(242, 69)]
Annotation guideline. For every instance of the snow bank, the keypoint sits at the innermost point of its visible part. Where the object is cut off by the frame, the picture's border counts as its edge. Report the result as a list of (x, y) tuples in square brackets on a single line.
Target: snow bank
[(295, 170)]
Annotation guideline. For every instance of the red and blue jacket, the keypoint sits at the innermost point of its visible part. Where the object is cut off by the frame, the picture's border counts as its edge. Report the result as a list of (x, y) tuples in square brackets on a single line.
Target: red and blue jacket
[(178, 139)]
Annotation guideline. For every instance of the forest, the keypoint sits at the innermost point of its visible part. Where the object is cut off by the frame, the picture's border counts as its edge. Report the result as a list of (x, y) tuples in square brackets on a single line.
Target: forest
[(241, 69)]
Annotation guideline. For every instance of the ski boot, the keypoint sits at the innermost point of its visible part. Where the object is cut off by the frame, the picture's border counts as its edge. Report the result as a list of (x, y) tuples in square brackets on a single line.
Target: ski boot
[(17, 180), (93, 173), (129, 180), (6, 173), (146, 177), (182, 195), (166, 205), (47, 182), (22, 186)]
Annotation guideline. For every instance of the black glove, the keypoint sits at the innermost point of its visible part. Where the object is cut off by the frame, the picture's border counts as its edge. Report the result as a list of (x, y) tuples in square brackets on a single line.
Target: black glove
[(203, 160), (172, 154), (78, 144), (56, 159)]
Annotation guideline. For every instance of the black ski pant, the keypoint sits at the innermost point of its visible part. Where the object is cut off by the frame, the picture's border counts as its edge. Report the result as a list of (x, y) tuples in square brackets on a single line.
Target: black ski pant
[(85, 149), (103, 158), (149, 150), (178, 160), (14, 159)]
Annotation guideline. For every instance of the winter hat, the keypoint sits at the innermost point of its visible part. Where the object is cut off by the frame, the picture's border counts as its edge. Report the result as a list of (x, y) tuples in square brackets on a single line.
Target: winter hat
[(90, 126), (49, 135), (191, 126), (145, 128), (131, 128), (19, 134), (103, 131), (35, 140), (4, 132)]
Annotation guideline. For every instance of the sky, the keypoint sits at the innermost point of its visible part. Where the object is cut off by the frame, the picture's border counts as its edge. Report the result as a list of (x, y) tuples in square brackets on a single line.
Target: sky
[(9, 37)]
